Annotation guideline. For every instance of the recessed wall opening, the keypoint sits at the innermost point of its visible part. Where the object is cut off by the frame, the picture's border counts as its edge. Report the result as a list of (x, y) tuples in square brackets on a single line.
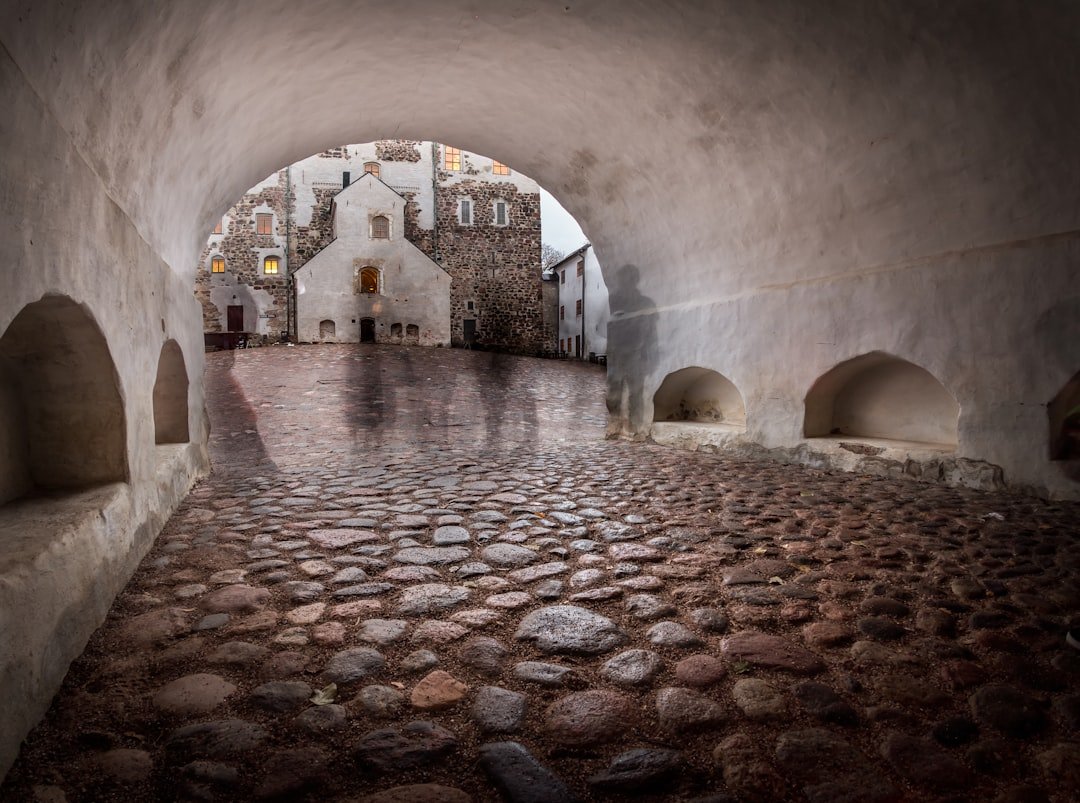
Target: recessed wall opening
[(882, 397), (62, 424), (171, 396), (327, 330), (699, 395), (395, 330), (1064, 413), (412, 333)]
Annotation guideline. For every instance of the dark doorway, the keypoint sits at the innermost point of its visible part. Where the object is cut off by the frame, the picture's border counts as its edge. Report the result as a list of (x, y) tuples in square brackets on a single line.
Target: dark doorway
[(235, 315), (367, 330), (470, 331)]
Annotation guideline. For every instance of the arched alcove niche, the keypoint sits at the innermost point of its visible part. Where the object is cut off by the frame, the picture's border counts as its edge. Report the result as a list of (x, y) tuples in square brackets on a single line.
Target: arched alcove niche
[(327, 330), (1064, 413), (62, 424), (171, 396), (699, 395), (882, 397)]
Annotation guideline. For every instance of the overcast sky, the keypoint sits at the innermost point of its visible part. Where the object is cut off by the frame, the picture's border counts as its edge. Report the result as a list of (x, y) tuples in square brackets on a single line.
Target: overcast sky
[(557, 228)]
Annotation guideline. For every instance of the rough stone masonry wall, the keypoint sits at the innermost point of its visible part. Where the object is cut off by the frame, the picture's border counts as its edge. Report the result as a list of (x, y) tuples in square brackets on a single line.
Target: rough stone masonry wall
[(508, 303), (397, 150), (240, 246)]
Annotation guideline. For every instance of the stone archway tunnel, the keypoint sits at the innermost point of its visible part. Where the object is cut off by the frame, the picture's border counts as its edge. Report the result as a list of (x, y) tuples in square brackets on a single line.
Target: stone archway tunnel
[(788, 185)]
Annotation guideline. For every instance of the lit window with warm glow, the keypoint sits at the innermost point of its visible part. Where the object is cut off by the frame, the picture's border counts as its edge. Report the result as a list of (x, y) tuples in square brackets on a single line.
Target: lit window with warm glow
[(380, 227), (372, 167), (369, 281), (217, 228), (452, 158), (270, 265), (264, 223), (217, 265), (499, 169)]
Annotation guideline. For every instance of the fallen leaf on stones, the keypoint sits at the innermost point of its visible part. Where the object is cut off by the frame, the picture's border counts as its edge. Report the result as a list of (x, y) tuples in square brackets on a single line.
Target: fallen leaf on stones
[(994, 516), (325, 695), (740, 667), (761, 550), (397, 684), (776, 581)]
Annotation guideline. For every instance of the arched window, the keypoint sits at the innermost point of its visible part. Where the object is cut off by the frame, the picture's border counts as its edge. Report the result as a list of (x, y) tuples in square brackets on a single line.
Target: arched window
[(270, 265), (369, 281), (380, 227), (171, 396), (217, 264), (372, 167)]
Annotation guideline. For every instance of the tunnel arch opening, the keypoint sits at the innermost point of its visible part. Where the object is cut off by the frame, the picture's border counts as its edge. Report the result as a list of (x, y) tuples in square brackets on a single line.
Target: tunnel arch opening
[(699, 395), (171, 396), (62, 421), (882, 397)]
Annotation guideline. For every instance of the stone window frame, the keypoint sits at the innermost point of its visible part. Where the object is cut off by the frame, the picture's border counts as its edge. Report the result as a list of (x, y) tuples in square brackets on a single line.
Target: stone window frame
[(470, 306), (465, 204), (495, 212), (499, 169), (215, 260), (378, 280), (374, 168), (266, 265), (264, 217), (373, 231), (451, 158)]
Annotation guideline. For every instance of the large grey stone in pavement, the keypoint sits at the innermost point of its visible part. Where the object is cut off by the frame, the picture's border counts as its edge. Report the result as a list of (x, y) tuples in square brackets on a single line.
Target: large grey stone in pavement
[(213, 740), (431, 598), (508, 555), (353, 664), (519, 777), (418, 744), (570, 629), (432, 555)]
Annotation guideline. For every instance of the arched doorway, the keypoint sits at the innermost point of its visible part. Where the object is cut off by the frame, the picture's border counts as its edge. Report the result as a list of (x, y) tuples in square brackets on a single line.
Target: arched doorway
[(367, 330)]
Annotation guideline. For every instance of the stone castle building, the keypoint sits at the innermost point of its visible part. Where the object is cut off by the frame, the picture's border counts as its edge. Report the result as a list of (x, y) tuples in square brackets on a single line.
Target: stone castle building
[(389, 241)]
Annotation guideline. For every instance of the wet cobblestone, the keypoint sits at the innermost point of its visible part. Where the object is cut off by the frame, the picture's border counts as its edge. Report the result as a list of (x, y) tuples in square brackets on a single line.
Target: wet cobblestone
[(426, 568)]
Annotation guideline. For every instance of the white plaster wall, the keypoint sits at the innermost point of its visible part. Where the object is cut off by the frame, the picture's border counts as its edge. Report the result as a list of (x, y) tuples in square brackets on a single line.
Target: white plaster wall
[(413, 288), (62, 562), (590, 286)]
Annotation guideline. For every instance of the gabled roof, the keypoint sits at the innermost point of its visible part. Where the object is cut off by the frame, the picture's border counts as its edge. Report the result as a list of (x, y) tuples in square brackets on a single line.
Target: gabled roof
[(374, 184), (572, 255)]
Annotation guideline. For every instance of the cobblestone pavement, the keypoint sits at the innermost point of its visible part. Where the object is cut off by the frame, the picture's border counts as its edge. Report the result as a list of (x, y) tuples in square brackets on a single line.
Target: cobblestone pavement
[(427, 567)]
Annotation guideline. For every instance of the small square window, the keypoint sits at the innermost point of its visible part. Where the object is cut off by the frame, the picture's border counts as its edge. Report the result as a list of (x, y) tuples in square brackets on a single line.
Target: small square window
[(217, 265), (470, 305), (499, 169), (452, 158), (270, 265), (264, 223)]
